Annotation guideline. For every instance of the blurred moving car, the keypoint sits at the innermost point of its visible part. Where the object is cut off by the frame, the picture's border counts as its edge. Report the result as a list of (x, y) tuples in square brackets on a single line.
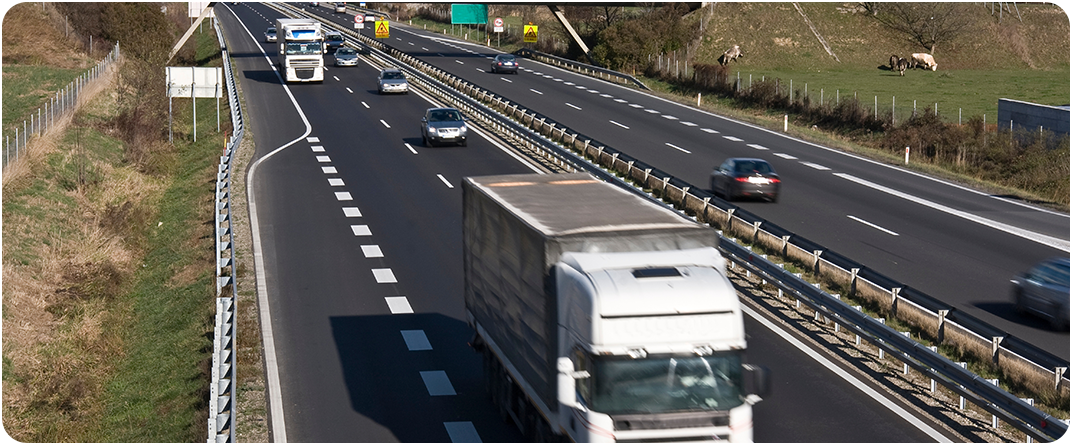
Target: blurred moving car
[(1044, 291), (270, 35), (391, 80), (340, 7), (345, 56), (745, 177), (334, 40), (443, 125), (505, 63)]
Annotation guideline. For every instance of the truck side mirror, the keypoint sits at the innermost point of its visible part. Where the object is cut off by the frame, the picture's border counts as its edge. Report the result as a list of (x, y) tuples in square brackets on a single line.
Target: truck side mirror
[(567, 377), (757, 380)]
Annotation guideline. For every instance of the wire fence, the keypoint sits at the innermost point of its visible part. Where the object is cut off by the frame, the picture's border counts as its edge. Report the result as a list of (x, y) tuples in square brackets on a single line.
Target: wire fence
[(58, 106)]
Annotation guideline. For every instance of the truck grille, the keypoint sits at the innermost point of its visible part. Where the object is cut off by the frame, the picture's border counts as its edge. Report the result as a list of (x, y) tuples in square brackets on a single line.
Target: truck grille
[(670, 421), (307, 64)]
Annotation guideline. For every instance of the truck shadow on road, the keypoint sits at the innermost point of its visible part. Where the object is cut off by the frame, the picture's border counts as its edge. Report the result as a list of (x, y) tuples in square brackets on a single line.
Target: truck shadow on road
[(393, 377)]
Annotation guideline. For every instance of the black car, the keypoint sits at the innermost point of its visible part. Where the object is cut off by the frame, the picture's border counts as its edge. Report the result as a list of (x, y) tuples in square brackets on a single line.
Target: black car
[(504, 63), (1044, 291), (334, 40), (745, 177)]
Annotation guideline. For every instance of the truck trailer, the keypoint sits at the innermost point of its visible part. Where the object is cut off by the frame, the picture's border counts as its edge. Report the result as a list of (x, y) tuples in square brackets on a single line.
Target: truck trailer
[(301, 49), (603, 316)]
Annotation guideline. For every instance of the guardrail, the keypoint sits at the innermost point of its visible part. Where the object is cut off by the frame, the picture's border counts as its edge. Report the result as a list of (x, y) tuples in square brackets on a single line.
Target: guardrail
[(58, 105), (945, 324), (583, 68), (222, 394)]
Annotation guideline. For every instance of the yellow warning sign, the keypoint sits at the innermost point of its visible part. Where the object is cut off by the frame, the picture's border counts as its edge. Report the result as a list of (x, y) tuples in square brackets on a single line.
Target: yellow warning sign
[(530, 33), (382, 29)]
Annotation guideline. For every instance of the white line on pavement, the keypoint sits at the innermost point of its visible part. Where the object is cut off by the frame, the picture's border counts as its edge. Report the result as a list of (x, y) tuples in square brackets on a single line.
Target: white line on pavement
[(444, 181), (618, 124), (872, 225), (677, 147)]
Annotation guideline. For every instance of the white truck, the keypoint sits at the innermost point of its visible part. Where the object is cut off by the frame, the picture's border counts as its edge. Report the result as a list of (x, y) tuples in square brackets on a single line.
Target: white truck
[(603, 316), (301, 49)]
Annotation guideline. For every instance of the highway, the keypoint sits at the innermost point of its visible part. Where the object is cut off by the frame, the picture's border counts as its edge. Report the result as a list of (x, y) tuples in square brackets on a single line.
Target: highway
[(359, 235), (953, 243)]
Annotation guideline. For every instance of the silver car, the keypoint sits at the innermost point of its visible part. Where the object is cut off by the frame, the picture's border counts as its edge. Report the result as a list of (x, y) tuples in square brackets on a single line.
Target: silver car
[(270, 35), (392, 80), (346, 56), (440, 125), (1044, 291)]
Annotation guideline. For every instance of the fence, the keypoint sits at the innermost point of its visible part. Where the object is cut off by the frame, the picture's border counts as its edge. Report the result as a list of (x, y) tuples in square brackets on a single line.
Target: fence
[(223, 395), (57, 107)]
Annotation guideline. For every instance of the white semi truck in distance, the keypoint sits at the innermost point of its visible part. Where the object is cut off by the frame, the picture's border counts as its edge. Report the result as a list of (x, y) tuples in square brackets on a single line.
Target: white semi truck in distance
[(301, 49), (603, 316)]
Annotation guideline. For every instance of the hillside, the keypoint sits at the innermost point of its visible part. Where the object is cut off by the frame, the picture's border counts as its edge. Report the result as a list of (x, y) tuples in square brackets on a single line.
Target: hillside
[(775, 36)]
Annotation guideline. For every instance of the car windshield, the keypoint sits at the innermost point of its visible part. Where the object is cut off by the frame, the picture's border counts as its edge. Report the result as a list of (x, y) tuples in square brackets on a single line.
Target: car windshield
[(304, 48), (345, 51), (749, 167), (664, 384), (393, 76), (271, 31), (444, 115), (334, 38)]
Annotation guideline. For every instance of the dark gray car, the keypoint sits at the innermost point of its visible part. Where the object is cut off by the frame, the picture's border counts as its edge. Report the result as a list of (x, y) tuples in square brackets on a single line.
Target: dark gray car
[(745, 177), (1044, 291), (504, 63), (440, 125)]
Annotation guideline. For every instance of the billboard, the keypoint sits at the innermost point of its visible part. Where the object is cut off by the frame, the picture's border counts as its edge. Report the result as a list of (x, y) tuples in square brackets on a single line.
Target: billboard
[(466, 14)]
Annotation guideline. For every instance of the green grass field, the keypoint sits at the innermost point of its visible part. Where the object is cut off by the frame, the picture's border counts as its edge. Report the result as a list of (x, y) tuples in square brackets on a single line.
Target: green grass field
[(974, 91), (27, 88)]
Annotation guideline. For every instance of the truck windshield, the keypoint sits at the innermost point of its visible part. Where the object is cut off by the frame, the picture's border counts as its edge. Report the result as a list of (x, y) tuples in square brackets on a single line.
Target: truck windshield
[(666, 384), (303, 48)]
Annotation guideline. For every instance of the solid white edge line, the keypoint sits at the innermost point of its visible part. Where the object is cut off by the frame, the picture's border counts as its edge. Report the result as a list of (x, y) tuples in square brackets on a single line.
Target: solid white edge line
[(1013, 230), (872, 225), (895, 408), (271, 360)]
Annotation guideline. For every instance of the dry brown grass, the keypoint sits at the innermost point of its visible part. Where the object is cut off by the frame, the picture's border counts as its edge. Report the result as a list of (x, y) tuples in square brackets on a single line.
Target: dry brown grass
[(34, 35)]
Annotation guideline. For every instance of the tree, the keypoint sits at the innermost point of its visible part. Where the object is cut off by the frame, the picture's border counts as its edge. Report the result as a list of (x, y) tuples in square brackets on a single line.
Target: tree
[(925, 24)]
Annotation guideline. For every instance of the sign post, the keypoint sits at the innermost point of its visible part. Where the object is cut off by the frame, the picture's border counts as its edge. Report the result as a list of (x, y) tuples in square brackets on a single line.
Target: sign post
[(498, 30)]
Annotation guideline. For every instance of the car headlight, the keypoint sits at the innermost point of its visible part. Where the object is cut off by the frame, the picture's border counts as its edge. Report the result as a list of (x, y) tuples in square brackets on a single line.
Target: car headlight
[(464, 130), (431, 130)]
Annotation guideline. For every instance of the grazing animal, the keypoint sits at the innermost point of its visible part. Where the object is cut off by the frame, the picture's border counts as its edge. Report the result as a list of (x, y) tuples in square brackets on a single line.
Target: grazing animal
[(730, 55), (901, 65), (923, 60), (892, 61)]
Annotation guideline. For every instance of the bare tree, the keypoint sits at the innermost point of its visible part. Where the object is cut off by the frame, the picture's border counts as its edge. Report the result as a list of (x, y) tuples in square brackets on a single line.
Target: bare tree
[(926, 24)]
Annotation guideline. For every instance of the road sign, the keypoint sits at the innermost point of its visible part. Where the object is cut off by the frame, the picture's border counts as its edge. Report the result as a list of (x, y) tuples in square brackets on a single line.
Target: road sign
[(531, 32), (382, 29), (358, 21), (498, 24)]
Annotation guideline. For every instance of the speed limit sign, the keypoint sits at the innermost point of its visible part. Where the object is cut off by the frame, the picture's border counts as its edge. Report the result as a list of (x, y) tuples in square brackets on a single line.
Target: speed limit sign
[(498, 24), (358, 21)]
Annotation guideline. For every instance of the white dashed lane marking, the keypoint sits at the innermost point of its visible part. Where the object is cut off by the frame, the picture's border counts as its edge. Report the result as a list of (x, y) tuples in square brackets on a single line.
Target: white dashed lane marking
[(757, 146), (670, 117), (323, 159), (371, 251), (537, 92), (343, 196), (621, 100), (786, 156), (444, 181), (312, 139), (437, 383), (416, 340), (318, 149), (349, 90), (652, 111), (871, 225), (677, 147), (410, 148), (384, 276), (573, 106), (398, 305), (635, 105), (384, 123), (507, 80), (352, 212), (618, 124), (336, 182), (329, 170), (734, 139), (688, 124), (816, 166), (361, 230), (365, 105), (462, 431), (708, 130)]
